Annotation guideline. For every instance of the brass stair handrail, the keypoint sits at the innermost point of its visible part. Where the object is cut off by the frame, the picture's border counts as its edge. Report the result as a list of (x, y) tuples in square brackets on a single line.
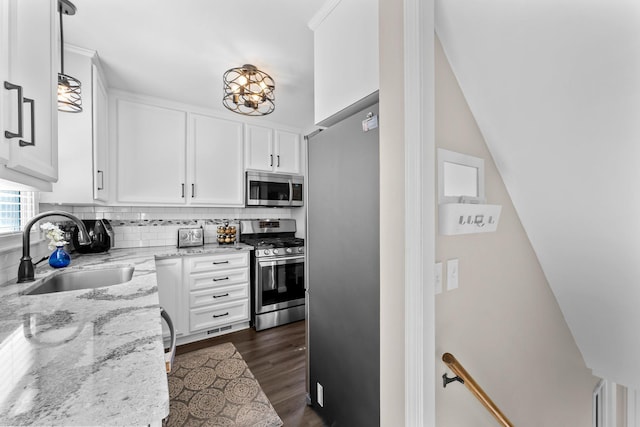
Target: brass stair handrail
[(464, 377)]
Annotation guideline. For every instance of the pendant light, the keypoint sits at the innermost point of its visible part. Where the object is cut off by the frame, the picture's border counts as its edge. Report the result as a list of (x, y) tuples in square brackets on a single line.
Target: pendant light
[(248, 91), (69, 99)]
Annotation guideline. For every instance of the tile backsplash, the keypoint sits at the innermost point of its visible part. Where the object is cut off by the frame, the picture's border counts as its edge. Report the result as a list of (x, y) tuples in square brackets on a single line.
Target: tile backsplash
[(138, 227)]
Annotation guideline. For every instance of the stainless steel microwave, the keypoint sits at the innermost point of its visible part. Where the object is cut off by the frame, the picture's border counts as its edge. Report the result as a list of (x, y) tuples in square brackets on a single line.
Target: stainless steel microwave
[(272, 189)]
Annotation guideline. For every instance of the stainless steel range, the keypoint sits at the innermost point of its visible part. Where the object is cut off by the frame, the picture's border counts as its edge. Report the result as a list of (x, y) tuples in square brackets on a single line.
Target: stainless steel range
[(277, 271)]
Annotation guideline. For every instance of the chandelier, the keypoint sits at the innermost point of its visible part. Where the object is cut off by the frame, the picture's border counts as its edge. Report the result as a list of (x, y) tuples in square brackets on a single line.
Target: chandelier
[(69, 99), (248, 91)]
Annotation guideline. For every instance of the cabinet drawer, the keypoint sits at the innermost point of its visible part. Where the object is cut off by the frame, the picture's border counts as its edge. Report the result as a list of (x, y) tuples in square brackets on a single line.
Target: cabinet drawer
[(218, 315), (218, 295), (215, 279), (218, 262)]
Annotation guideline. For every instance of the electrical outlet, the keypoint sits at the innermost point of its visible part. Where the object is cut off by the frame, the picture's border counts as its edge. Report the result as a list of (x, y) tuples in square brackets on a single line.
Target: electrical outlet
[(320, 394), (438, 278), (452, 274)]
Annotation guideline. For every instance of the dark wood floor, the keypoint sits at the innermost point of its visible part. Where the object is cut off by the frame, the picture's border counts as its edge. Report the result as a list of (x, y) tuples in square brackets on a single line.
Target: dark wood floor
[(276, 357)]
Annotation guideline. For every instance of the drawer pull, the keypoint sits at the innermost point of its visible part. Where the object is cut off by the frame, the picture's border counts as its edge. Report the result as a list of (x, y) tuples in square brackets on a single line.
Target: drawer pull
[(220, 262), (220, 315), (220, 279), (221, 296)]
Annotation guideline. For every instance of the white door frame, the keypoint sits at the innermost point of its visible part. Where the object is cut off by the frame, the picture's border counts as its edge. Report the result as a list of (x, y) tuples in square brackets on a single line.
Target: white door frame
[(419, 116)]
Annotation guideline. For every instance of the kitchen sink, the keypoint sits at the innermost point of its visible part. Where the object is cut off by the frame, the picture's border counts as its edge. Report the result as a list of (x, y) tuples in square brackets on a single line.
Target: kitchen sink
[(74, 280)]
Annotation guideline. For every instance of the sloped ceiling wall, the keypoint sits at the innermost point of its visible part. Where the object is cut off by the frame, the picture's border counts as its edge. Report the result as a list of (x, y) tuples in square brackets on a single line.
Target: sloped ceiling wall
[(555, 89)]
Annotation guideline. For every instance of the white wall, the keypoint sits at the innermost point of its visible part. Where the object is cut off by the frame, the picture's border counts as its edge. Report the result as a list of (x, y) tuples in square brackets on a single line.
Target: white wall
[(503, 322), (554, 88), (392, 202)]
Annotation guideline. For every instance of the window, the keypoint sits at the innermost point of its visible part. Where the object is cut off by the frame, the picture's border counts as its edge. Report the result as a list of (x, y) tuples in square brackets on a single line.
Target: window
[(16, 208)]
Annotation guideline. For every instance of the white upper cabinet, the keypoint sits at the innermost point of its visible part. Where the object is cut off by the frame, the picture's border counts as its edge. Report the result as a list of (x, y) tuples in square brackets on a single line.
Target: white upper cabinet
[(345, 57), (150, 153), (217, 173), (259, 148), (82, 137), (272, 150), (100, 137), (168, 155), (287, 149), (28, 60)]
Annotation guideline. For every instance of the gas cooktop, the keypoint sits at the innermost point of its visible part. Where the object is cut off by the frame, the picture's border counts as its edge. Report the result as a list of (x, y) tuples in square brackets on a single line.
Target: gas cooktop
[(274, 242)]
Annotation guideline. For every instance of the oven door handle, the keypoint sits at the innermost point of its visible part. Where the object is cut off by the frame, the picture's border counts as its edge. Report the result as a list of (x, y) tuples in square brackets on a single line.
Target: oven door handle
[(270, 262)]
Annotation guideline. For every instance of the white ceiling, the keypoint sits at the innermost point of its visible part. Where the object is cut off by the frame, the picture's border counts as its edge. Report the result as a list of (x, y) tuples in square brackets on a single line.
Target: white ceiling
[(555, 88), (179, 50)]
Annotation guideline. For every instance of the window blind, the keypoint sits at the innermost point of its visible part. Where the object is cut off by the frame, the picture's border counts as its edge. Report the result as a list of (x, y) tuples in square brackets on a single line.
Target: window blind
[(16, 208)]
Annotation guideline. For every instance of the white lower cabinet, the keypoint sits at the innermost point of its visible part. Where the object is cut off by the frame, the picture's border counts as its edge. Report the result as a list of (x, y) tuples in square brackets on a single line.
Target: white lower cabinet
[(218, 315), (206, 295), (170, 292), (218, 291)]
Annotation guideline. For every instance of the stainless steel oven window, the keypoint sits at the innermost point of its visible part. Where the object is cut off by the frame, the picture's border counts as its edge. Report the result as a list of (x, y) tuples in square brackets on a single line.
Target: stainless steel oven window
[(279, 283)]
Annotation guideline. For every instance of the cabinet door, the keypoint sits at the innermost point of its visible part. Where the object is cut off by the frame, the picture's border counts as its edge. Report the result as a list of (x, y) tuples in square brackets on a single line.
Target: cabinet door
[(287, 152), (259, 148), (32, 65), (7, 96), (171, 293), (100, 137), (150, 157), (217, 175), (75, 151)]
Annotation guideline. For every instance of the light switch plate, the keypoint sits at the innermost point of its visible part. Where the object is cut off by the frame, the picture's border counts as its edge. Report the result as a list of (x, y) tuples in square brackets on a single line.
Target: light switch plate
[(452, 274), (438, 278)]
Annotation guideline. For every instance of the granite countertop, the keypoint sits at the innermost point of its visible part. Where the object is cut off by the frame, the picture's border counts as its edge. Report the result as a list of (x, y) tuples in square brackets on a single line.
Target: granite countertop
[(87, 357)]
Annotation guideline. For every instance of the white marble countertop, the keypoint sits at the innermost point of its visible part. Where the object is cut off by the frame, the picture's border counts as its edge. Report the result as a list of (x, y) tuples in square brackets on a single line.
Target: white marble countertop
[(87, 357)]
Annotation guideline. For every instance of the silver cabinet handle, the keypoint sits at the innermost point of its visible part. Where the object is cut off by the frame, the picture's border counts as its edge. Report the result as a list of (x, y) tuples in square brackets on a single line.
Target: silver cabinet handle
[(221, 296), (220, 315), (278, 164), (8, 134), (101, 186), (193, 191), (271, 156), (183, 190), (220, 279), (22, 142)]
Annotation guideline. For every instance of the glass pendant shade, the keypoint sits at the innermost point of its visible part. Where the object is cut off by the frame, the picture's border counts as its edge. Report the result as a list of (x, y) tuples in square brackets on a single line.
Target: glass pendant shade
[(248, 91), (69, 94), (69, 88)]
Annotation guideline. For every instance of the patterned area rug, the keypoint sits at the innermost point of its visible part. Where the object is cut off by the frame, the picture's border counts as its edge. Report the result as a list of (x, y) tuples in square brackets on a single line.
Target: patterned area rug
[(214, 387)]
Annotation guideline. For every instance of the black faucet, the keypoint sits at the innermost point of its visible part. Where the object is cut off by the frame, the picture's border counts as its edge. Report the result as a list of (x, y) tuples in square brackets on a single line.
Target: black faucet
[(26, 270)]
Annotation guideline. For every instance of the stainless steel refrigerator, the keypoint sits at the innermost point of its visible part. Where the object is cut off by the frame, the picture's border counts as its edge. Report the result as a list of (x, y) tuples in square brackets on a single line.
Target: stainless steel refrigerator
[(343, 272)]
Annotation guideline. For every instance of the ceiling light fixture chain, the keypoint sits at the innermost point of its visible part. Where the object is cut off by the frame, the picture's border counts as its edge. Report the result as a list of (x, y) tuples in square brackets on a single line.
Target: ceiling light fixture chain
[(248, 91), (69, 88)]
